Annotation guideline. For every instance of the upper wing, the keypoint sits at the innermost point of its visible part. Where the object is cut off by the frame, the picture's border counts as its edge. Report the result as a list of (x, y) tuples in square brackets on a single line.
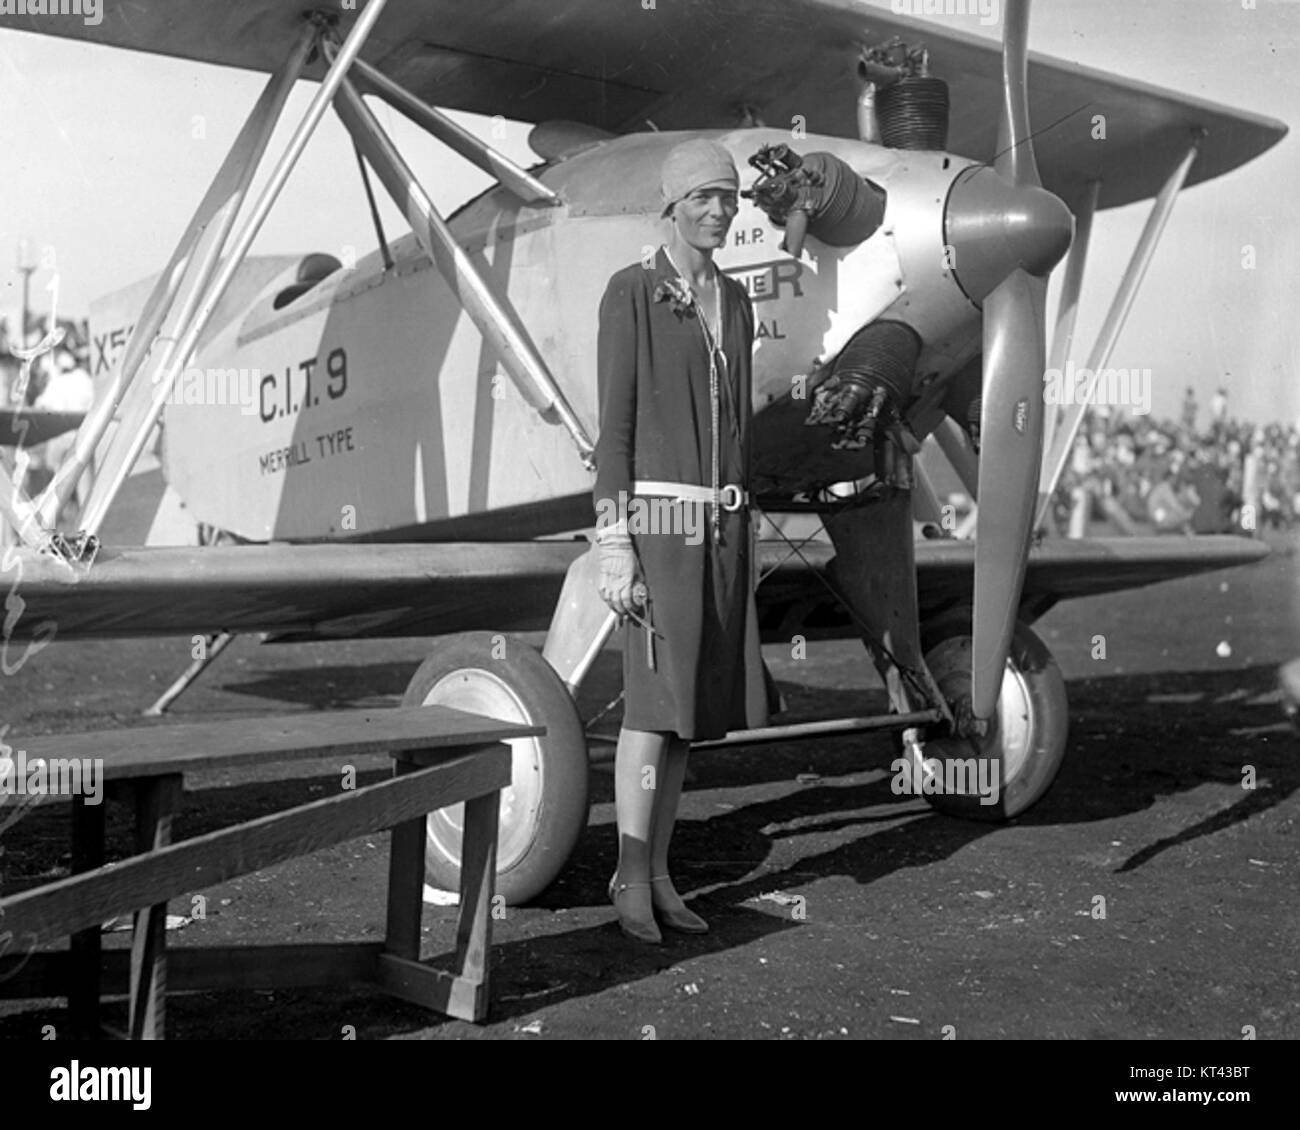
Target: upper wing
[(696, 64), (354, 590)]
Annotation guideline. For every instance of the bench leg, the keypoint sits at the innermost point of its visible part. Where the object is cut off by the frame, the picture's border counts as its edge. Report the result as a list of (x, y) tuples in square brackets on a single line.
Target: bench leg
[(464, 993), (406, 882), (85, 950), (469, 994), (156, 801)]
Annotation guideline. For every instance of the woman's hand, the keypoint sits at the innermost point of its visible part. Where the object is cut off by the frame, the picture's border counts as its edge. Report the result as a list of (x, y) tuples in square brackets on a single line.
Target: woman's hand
[(618, 574)]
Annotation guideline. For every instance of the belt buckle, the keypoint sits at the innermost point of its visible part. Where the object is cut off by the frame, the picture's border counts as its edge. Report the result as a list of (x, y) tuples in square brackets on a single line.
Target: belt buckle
[(736, 495)]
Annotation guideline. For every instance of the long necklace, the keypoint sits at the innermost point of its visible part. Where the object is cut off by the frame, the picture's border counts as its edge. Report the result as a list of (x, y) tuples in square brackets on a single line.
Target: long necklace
[(715, 353)]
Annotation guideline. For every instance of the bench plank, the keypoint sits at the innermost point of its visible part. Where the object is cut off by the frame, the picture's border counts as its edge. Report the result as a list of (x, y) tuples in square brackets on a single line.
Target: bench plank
[(429, 987), (193, 746), (202, 969), (80, 902)]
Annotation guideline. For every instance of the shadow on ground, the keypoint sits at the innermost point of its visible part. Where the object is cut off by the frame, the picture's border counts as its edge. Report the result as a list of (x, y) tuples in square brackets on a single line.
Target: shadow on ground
[(1133, 740)]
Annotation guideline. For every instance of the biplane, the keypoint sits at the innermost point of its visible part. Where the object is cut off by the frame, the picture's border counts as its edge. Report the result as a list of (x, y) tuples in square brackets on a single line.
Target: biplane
[(416, 458)]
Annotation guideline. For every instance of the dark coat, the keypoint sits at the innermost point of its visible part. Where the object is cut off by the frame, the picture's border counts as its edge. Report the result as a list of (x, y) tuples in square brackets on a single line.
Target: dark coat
[(655, 423)]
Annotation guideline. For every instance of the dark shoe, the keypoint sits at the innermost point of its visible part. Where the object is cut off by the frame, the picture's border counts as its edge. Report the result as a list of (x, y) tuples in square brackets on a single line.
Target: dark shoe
[(637, 929), (683, 920)]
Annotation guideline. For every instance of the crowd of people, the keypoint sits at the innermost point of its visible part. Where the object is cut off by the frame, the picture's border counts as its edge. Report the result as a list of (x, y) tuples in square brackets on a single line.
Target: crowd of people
[(1180, 477)]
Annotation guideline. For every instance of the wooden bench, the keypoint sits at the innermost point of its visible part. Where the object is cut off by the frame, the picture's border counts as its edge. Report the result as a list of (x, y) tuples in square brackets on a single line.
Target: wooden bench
[(443, 756)]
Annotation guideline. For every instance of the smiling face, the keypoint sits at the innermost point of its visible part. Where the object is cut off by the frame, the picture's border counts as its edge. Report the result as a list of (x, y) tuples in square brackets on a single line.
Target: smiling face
[(704, 217)]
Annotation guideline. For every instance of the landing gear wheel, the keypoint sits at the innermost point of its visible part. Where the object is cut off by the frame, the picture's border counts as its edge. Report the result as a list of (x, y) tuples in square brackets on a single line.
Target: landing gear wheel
[(1026, 742), (545, 809)]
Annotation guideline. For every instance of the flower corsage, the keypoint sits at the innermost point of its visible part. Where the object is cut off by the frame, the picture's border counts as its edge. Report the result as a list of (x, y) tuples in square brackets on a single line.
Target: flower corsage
[(676, 291)]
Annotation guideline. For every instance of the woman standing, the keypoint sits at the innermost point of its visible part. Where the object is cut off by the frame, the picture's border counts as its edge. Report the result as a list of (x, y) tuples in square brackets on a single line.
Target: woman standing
[(674, 383)]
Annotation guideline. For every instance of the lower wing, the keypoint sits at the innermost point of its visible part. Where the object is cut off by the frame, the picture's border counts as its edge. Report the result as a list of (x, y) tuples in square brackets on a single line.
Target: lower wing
[(335, 591)]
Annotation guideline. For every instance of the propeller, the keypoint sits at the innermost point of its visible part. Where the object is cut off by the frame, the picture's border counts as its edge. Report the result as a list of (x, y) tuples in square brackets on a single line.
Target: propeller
[(1007, 233)]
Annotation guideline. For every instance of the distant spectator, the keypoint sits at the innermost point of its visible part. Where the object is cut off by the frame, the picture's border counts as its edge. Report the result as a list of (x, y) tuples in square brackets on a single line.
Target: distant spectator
[(58, 382), (1168, 512), (9, 372), (69, 388), (1275, 505), (1218, 409), (1189, 410), (1215, 503)]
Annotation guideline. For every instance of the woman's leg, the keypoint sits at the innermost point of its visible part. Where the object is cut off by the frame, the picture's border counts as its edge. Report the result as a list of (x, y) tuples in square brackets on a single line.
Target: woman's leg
[(665, 818), (639, 774)]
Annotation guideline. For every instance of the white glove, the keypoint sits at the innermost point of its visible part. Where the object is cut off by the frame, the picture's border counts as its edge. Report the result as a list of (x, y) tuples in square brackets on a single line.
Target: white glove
[(618, 572)]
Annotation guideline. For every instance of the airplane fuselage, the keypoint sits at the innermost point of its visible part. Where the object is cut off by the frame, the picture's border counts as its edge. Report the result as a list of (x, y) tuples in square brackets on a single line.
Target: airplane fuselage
[(369, 406)]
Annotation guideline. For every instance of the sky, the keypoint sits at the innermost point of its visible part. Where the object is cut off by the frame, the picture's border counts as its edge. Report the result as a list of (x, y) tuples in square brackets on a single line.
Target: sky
[(107, 152)]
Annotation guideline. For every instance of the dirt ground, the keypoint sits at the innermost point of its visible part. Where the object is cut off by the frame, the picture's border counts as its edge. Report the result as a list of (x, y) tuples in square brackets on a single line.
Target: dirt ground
[(839, 910)]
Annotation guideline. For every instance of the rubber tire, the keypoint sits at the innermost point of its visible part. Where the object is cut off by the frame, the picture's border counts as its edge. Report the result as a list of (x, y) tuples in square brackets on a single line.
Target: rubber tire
[(1046, 718), (534, 843)]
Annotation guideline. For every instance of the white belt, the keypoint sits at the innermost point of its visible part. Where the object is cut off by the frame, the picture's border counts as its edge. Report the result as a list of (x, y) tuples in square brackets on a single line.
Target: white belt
[(731, 497)]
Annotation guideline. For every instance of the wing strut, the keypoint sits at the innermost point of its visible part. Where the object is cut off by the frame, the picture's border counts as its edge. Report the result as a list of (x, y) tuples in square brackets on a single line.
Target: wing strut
[(495, 321), (194, 262), (213, 646), (213, 280), (190, 271), (956, 445), (1067, 310), (1143, 251), (525, 186)]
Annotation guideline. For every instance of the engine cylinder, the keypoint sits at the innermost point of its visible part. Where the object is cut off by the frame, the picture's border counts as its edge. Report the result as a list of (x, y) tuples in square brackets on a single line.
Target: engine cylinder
[(850, 209), (870, 383), (913, 113)]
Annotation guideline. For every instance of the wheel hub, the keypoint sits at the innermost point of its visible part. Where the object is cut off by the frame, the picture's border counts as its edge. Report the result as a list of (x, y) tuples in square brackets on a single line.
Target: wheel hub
[(1006, 737), (479, 691)]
